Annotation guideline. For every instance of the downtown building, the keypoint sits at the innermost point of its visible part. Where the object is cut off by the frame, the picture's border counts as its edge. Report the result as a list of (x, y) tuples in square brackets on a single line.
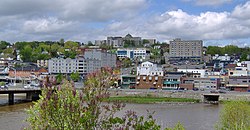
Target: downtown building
[(190, 50), (149, 76), (91, 60), (119, 42), (133, 53)]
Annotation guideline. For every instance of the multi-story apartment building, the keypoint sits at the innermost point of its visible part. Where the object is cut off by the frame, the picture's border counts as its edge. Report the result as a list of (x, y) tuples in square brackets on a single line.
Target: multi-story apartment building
[(132, 53), (92, 60), (149, 76), (97, 58), (67, 66), (186, 50)]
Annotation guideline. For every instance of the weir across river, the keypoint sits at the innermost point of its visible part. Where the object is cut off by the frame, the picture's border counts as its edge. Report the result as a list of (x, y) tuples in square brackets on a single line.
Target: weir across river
[(31, 94)]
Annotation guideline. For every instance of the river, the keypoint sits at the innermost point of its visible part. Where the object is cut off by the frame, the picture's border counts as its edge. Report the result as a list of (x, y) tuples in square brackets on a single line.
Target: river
[(192, 116)]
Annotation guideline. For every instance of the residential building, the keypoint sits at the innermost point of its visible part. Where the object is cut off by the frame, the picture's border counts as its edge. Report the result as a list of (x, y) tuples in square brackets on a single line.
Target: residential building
[(239, 83), (42, 63), (67, 66), (149, 76), (92, 60), (26, 73), (133, 53), (186, 50), (239, 70), (221, 58)]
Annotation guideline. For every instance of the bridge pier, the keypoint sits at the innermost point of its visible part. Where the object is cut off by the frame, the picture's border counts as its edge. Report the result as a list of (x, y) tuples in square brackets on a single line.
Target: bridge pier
[(29, 96), (11, 98)]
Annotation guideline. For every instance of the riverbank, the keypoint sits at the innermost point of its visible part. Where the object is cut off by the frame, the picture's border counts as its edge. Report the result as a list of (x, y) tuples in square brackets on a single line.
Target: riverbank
[(150, 100), (230, 95)]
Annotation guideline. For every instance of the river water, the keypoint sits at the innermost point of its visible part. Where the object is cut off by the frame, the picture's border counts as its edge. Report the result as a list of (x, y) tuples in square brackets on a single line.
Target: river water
[(192, 116)]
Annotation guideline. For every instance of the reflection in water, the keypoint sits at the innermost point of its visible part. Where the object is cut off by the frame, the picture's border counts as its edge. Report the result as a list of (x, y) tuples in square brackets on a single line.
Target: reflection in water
[(192, 116), (12, 117)]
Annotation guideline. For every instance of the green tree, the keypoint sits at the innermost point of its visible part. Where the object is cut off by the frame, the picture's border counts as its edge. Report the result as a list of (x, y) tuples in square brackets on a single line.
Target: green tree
[(243, 56), (126, 62), (235, 115), (145, 41), (214, 50), (59, 78), (71, 45), (26, 54), (231, 49), (61, 42), (3, 45), (54, 49), (128, 43), (155, 54), (75, 76), (90, 43)]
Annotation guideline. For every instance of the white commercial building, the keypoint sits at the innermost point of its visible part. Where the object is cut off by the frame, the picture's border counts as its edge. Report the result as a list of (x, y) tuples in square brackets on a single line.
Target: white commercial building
[(203, 73), (149, 69), (132, 53)]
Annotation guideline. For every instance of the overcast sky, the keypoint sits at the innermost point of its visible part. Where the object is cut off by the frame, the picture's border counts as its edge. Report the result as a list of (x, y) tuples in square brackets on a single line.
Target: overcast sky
[(217, 22)]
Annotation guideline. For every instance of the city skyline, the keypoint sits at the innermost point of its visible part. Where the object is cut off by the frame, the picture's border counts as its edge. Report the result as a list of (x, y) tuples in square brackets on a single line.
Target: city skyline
[(217, 22)]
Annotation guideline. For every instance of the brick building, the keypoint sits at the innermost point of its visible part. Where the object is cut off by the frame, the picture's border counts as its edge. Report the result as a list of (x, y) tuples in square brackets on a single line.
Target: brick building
[(149, 76)]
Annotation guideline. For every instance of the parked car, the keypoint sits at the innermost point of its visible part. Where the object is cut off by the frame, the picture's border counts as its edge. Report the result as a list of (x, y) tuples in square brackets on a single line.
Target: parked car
[(222, 91), (214, 91), (195, 89), (4, 87)]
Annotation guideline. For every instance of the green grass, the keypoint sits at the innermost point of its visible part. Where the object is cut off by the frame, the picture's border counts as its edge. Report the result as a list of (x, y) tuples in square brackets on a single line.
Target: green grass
[(147, 100)]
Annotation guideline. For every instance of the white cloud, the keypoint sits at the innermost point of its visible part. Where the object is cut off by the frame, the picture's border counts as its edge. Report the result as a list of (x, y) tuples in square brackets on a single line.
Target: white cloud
[(86, 20), (242, 11), (206, 26), (62, 18), (45, 25)]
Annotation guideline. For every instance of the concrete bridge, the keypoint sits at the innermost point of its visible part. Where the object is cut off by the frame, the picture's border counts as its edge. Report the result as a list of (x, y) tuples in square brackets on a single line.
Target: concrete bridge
[(31, 94)]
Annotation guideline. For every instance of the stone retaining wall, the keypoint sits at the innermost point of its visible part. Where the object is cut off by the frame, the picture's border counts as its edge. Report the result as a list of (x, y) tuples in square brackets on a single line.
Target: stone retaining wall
[(183, 94)]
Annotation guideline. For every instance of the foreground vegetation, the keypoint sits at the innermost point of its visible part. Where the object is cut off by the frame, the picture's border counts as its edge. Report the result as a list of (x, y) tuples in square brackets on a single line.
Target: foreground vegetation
[(235, 115), (65, 108), (150, 99)]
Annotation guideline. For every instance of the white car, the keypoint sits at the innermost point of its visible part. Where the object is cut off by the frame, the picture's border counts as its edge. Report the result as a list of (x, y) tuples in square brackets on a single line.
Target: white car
[(26, 86)]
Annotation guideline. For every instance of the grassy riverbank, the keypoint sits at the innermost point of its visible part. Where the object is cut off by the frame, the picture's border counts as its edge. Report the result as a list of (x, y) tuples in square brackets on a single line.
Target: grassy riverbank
[(147, 100)]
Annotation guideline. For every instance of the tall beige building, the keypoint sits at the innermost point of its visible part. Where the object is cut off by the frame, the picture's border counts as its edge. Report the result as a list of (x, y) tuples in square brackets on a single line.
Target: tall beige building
[(186, 50)]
